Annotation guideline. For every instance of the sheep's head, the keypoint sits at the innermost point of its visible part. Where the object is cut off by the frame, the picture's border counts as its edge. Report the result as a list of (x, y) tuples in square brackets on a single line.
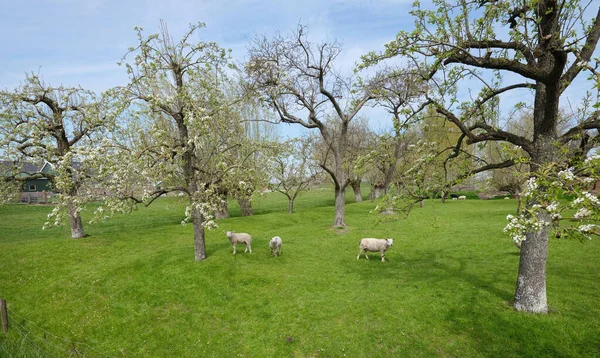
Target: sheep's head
[(228, 233), (390, 241)]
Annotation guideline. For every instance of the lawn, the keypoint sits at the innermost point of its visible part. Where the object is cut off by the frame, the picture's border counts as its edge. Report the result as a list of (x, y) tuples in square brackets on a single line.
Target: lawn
[(132, 289)]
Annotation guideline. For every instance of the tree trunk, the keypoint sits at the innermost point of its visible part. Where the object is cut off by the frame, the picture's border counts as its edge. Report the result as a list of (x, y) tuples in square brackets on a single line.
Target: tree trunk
[(245, 207), (421, 203), (290, 206), (340, 204), (530, 295), (377, 191), (356, 187), (444, 195), (222, 211), (199, 240), (75, 222)]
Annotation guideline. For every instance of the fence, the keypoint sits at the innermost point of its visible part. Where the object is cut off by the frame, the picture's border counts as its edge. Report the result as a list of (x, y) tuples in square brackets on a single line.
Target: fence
[(36, 197), (25, 338)]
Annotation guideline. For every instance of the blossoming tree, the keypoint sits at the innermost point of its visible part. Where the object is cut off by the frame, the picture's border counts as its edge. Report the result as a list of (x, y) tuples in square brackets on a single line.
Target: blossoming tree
[(532, 48), (184, 134), (59, 125)]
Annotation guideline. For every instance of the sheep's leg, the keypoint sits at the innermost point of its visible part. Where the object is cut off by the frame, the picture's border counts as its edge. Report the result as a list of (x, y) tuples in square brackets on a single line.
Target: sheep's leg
[(359, 252), (366, 255), (382, 256), (250, 247), (234, 248)]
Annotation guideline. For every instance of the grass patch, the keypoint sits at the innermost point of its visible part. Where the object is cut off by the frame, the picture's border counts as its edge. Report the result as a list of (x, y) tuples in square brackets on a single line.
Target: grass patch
[(133, 289)]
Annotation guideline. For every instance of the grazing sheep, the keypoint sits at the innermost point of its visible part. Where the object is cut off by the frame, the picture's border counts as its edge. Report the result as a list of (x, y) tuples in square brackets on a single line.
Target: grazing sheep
[(462, 197), (373, 245), (275, 245), (239, 238), (454, 198)]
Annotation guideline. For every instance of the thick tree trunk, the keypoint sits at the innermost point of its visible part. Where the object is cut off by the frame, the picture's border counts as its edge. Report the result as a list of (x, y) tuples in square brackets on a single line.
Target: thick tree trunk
[(222, 211), (290, 206), (75, 222), (245, 207), (199, 239), (530, 295), (377, 191), (356, 188), (340, 207)]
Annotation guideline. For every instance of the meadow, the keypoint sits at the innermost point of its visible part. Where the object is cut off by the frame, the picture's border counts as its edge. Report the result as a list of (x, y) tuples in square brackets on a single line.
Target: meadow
[(133, 289)]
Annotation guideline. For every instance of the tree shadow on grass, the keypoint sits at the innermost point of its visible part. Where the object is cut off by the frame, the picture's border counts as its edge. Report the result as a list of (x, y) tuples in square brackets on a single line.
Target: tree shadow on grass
[(429, 270)]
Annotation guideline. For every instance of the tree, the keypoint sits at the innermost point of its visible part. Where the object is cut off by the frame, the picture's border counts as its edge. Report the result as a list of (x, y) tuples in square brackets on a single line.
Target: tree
[(393, 89), (257, 129), (293, 169), (545, 45), (59, 125), (296, 77), (178, 88)]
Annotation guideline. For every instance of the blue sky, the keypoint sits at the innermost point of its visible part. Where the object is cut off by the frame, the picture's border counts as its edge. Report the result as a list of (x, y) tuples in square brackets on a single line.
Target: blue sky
[(74, 42), (77, 42)]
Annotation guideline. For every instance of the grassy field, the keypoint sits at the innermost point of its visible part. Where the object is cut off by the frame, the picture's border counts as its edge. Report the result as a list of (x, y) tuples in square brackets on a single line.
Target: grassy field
[(132, 289)]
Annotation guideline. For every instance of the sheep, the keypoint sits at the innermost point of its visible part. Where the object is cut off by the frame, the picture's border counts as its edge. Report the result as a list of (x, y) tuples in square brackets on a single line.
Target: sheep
[(370, 244), (239, 238), (275, 245), (454, 198), (462, 197)]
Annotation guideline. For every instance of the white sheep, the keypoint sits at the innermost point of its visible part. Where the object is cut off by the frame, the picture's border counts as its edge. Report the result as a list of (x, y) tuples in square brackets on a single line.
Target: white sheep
[(373, 245), (275, 245), (239, 238), (462, 197)]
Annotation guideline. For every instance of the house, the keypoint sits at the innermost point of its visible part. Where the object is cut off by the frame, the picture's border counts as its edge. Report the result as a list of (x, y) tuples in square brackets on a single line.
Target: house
[(26, 169), (33, 190)]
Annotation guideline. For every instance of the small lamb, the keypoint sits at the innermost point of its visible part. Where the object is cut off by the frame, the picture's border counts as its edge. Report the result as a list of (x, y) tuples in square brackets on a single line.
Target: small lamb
[(239, 238), (370, 244), (462, 197), (275, 245)]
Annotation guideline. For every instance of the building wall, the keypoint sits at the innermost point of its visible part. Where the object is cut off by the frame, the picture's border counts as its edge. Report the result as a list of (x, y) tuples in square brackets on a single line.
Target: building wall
[(39, 184)]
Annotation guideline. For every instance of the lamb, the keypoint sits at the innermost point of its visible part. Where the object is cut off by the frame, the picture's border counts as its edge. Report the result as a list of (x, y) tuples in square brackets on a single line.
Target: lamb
[(239, 238), (370, 244), (462, 197), (275, 245)]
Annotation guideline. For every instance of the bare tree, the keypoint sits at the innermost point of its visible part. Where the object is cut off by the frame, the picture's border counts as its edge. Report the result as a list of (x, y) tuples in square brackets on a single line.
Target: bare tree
[(293, 169), (297, 80)]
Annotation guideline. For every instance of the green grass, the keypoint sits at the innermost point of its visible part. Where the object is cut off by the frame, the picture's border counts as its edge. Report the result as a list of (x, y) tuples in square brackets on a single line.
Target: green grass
[(133, 289)]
